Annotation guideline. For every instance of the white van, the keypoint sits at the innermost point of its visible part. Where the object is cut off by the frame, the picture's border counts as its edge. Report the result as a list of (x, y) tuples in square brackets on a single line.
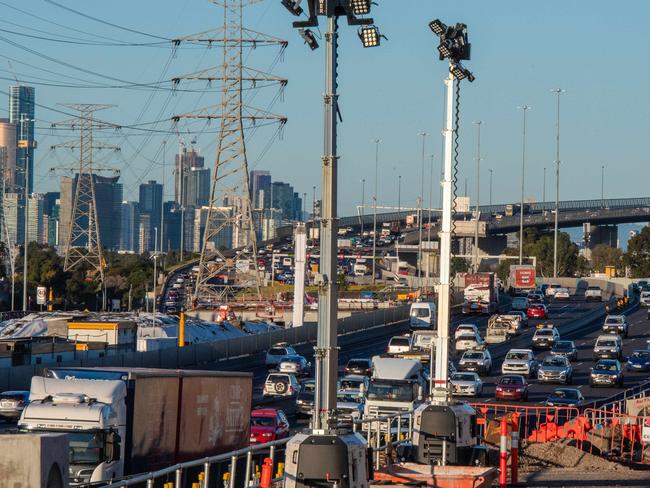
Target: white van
[(645, 299), (423, 315), (360, 267)]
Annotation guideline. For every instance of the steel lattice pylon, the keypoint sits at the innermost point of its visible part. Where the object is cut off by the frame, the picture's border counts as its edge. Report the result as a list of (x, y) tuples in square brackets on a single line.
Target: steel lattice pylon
[(230, 215), (83, 242)]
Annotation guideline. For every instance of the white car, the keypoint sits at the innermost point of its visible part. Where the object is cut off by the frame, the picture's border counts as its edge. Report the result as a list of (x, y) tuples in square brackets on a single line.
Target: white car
[(467, 341), (551, 289), (462, 328), (561, 294), (399, 344), (466, 384), (280, 385), (295, 364), (520, 361), (277, 352), (476, 361)]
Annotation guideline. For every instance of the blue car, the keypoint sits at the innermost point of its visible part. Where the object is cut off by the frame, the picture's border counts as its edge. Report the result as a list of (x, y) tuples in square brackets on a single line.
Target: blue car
[(639, 361)]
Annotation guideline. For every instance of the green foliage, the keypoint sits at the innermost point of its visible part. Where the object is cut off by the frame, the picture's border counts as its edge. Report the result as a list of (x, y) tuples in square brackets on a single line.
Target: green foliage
[(540, 244), (637, 257), (603, 255), (459, 265)]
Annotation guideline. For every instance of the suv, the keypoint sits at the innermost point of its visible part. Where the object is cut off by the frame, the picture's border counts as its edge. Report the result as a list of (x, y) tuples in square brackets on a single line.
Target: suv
[(360, 366), (593, 293), (607, 372), (305, 399), (555, 369), (565, 348), (399, 344), (608, 346), (520, 304), (277, 352), (477, 361), (469, 340), (545, 337), (280, 385), (551, 289), (520, 361), (615, 324)]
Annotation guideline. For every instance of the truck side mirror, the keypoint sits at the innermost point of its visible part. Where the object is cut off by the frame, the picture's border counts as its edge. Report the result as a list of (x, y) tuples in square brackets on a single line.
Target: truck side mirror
[(419, 392), (112, 446)]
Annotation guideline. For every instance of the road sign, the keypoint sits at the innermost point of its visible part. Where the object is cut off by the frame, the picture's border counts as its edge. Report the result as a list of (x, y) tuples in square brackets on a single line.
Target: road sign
[(41, 294)]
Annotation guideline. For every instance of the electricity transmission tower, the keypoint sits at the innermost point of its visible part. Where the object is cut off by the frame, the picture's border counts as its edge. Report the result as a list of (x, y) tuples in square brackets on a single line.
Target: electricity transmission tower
[(83, 243), (229, 220)]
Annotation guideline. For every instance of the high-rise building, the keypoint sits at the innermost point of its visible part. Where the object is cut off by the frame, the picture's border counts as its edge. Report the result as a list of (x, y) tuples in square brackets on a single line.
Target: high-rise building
[(144, 233), (21, 114), (260, 188), (130, 233), (185, 160), (282, 199), (297, 207), (108, 195), (197, 183), (8, 150), (53, 223), (35, 218), (223, 239), (172, 236), (151, 200), (12, 204)]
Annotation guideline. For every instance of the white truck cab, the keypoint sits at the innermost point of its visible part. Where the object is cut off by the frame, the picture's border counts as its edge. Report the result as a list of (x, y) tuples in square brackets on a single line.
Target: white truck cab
[(423, 315)]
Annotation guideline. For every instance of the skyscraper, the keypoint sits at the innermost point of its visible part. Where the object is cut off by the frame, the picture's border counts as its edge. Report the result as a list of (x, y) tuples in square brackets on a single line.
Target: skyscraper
[(151, 200), (185, 160), (197, 183), (35, 218), (21, 114), (260, 188), (282, 199), (8, 149), (130, 224)]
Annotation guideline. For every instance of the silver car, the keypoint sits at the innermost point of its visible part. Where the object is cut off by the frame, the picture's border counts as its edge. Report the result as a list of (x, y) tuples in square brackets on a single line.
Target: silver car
[(477, 361), (12, 404), (295, 364), (466, 384), (555, 369)]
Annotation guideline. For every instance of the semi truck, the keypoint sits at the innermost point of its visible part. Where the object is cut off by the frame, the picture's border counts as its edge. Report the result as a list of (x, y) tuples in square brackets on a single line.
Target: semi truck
[(123, 421), (397, 385), (481, 294), (521, 279)]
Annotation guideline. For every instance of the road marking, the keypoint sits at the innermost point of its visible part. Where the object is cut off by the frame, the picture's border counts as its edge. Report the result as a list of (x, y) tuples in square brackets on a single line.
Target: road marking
[(580, 387), (579, 364)]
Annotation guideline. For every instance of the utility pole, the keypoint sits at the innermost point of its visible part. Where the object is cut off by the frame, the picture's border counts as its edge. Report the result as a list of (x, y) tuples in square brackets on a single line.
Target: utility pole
[(558, 92), (25, 143), (399, 195), (155, 275), (181, 194), (363, 204), (83, 242), (374, 212), (162, 203), (230, 179), (544, 187), (491, 174), (602, 185), (524, 108), (478, 123), (304, 207), (421, 206), (10, 246), (313, 204)]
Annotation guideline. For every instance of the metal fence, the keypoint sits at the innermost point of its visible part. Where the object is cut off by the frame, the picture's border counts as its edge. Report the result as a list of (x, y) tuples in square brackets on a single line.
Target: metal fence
[(198, 355)]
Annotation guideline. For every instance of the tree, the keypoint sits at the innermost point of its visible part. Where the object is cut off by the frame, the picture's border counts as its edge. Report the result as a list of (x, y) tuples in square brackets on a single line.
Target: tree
[(603, 255), (637, 257), (459, 265), (540, 244)]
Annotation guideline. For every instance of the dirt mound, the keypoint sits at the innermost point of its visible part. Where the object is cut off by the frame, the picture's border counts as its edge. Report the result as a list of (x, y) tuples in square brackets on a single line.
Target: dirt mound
[(558, 455)]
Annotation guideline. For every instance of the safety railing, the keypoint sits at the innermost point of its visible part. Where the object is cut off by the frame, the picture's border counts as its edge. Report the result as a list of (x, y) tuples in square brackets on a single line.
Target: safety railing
[(618, 435), (202, 470), (385, 433)]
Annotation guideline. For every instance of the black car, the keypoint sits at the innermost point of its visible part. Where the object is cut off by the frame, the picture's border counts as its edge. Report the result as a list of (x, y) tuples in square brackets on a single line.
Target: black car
[(359, 366), (565, 348), (607, 372), (565, 397), (305, 399)]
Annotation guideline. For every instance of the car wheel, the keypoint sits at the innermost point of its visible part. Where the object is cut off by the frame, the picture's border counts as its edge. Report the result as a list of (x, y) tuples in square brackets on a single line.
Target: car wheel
[(525, 398), (591, 384)]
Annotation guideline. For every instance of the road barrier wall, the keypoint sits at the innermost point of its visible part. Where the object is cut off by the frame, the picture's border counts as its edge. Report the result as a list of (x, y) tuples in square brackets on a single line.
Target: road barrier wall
[(197, 355)]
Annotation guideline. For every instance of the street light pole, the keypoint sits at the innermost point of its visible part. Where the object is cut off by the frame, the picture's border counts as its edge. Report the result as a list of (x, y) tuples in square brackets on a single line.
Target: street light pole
[(544, 187), (421, 206), (399, 195), (181, 165), (23, 120), (155, 271), (525, 109), (558, 92), (602, 186), (478, 123), (374, 211), (363, 204), (491, 174)]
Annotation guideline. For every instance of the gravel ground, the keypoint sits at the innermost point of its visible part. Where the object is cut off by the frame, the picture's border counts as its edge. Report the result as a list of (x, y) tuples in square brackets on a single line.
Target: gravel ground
[(558, 455)]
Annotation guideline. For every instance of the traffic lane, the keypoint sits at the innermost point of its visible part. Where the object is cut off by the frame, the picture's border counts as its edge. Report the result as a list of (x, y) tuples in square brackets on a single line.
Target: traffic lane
[(585, 339)]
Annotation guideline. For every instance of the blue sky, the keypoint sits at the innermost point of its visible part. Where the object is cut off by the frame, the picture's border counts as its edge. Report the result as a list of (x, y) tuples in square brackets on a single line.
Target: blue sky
[(594, 50)]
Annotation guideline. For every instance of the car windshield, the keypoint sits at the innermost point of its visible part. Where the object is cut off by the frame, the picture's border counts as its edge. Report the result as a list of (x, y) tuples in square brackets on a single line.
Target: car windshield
[(348, 397), (399, 341), (420, 312), (544, 332), (277, 351), (291, 359), (606, 367), (472, 355), (13, 396), (260, 421), (467, 337), (568, 394), (554, 361), (423, 340), (358, 364), (463, 377), (350, 384), (309, 386), (614, 320), (607, 343), (85, 447), (275, 378), (517, 355), (511, 380), (401, 392), (520, 302), (636, 354), (593, 288), (562, 346)]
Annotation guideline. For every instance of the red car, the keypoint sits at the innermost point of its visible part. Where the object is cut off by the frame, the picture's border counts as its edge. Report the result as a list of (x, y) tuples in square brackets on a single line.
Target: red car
[(512, 387), (267, 425), (537, 311)]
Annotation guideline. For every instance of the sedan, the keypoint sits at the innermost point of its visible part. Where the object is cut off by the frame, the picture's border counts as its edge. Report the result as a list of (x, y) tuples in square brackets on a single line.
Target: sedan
[(295, 364), (512, 387), (639, 360), (537, 311), (12, 403), (267, 425), (607, 372), (561, 294), (565, 348), (466, 384), (359, 366), (565, 397)]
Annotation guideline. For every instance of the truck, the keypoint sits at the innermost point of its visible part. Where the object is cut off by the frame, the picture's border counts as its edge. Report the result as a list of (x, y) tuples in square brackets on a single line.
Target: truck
[(521, 279), (501, 327), (481, 294), (397, 385), (422, 341), (124, 421), (423, 315)]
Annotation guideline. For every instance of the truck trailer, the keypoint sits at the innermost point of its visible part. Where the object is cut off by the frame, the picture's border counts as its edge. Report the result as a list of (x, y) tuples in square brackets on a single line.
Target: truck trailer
[(521, 279), (124, 421), (480, 294)]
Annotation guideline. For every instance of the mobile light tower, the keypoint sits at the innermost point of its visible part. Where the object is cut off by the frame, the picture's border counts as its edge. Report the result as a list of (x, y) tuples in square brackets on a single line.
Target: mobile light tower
[(439, 437), (326, 454)]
